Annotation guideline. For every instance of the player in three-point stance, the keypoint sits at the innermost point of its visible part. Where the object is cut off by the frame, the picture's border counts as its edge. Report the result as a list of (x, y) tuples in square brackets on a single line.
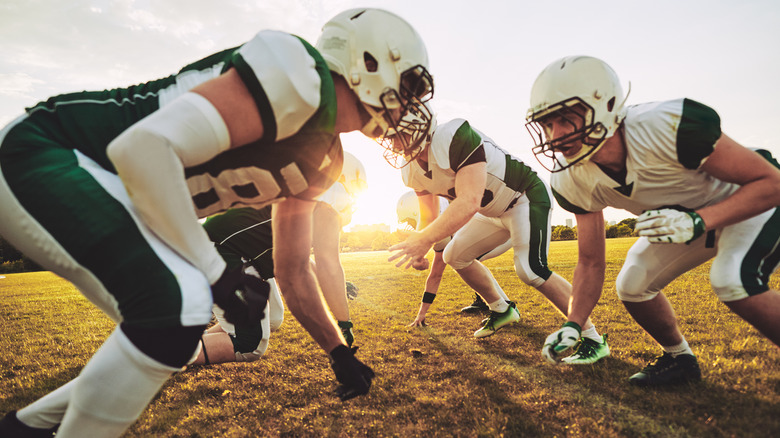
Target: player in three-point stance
[(698, 194), (408, 212), (105, 189), (493, 197), (244, 236)]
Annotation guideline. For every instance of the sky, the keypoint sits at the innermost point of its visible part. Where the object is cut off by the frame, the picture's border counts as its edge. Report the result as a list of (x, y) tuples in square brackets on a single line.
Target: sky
[(484, 57)]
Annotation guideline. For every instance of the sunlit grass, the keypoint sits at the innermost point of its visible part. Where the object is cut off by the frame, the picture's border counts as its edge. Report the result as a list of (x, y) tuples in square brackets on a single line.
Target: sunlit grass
[(458, 386)]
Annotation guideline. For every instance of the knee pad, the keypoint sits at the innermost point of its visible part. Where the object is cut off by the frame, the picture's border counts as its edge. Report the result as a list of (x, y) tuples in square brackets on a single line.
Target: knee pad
[(527, 275), (632, 286), (451, 259), (172, 346), (726, 281)]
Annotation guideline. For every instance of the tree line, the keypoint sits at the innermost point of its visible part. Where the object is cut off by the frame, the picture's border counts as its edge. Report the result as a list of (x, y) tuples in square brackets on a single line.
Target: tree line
[(12, 260)]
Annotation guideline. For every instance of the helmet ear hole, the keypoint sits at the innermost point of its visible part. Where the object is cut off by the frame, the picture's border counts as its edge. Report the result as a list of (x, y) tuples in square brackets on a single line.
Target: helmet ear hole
[(372, 65), (611, 104)]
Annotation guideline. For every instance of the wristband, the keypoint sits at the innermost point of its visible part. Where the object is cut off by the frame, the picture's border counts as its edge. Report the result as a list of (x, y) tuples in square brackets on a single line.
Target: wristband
[(428, 297), (698, 225)]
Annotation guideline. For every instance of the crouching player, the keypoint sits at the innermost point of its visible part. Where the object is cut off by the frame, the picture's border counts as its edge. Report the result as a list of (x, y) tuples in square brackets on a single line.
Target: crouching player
[(409, 213), (244, 236), (698, 194)]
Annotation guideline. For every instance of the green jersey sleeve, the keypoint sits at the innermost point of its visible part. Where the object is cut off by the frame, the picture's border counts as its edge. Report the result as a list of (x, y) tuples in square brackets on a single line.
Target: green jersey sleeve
[(697, 133)]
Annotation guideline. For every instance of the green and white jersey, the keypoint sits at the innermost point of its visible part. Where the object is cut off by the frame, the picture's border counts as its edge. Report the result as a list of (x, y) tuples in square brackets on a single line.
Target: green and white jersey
[(666, 143), (298, 156), (452, 146)]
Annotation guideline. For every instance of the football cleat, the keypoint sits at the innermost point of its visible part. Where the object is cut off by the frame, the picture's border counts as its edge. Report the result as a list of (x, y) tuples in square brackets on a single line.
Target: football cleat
[(668, 370), (496, 320), (479, 305), (588, 351), (10, 426), (346, 330)]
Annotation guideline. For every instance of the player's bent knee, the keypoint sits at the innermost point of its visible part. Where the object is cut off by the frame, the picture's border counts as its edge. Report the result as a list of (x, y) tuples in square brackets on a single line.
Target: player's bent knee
[(728, 291), (631, 285), (172, 346), (529, 277), (451, 258)]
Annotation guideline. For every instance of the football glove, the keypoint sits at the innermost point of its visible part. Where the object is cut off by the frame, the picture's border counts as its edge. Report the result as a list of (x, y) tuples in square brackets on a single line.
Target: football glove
[(242, 295), (668, 225), (353, 375), (566, 337)]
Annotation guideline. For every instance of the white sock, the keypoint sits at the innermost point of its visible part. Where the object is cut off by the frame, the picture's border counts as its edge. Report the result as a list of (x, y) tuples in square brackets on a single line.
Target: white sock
[(676, 350), (47, 412), (498, 289), (593, 334), (499, 305), (112, 390)]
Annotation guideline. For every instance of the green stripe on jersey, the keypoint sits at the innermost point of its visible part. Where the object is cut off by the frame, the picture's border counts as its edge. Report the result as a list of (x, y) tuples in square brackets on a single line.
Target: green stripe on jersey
[(698, 131), (325, 118), (249, 79), (568, 206), (518, 176), (463, 144)]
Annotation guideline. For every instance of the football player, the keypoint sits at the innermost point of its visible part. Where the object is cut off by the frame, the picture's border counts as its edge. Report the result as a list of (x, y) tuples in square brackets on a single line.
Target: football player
[(408, 211), (493, 197), (244, 235), (698, 194), (99, 187)]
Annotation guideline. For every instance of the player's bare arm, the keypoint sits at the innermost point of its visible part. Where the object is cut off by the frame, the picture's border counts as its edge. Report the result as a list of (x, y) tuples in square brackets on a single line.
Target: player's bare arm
[(238, 109), (759, 181), (469, 185), (292, 238), (431, 286), (329, 271), (588, 280)]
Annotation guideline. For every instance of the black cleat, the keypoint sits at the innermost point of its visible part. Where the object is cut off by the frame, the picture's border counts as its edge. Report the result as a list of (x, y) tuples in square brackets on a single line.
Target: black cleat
[(668, 370), (479, 305), (11, 427)]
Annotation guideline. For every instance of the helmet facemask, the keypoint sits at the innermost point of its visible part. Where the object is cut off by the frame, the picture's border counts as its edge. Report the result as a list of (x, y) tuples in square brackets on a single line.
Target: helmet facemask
[(410, 137), (584, 132), (405, 119)]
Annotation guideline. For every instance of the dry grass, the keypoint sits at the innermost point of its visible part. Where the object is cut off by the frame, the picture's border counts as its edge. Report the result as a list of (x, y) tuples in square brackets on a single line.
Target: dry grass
[(460, 386)]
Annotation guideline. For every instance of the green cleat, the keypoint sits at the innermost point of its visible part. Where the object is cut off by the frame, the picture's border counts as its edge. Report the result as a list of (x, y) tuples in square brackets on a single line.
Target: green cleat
[(668, 370), (588, 351), (497, 320)]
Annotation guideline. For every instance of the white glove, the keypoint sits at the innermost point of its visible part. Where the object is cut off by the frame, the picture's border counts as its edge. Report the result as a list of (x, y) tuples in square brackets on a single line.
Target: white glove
[(566, 337), (668, 225)]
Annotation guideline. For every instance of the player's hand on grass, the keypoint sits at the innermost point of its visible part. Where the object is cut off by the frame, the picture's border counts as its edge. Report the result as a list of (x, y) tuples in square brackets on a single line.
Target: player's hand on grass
[(565, 338), (354, 376), (668, 225), (419, 321), (242, 294)]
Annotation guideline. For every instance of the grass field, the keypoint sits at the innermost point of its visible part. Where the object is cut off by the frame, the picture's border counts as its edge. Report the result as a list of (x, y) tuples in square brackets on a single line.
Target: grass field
[(498, 386)]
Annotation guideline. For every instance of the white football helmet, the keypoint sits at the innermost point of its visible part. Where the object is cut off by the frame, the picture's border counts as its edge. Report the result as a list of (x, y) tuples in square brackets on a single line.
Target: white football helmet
[(353, 175), (584, 92), (383, 60), (408, 210)]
